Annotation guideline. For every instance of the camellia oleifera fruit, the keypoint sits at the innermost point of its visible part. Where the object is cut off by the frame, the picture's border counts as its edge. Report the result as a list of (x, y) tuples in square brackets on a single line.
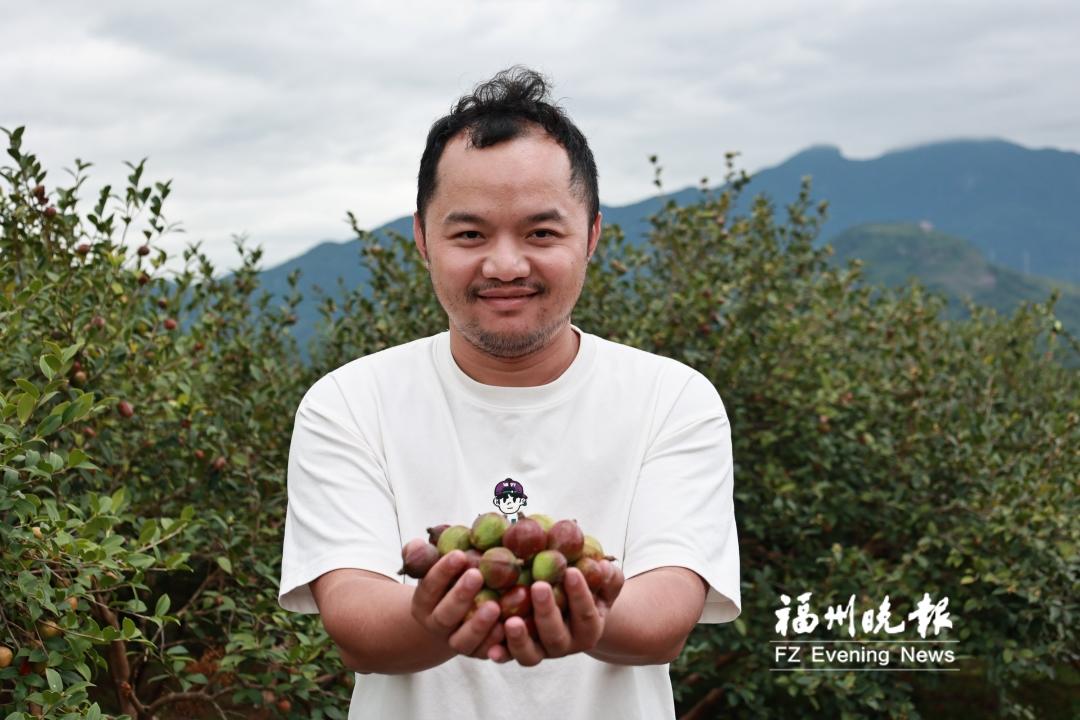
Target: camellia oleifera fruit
[(513, 556), (417, 558)]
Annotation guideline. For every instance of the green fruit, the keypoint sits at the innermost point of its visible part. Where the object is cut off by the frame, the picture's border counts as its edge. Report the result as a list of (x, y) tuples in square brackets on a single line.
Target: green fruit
[(545, 521), (549, 566), (485, 595), (525, 578), (592, 548), (487, 530), (453, 538)]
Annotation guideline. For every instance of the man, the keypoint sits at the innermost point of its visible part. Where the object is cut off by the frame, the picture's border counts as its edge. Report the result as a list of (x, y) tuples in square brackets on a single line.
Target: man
[(634, 446)]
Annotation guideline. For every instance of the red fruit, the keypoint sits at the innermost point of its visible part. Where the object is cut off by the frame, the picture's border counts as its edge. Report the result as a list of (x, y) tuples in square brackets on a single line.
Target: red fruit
[(24, 667), (516, 601), (143, 250), (162, 303), (98, 322), (473, 558), (199, 454), (500, 568), (284, 705), (566, 537), (525, 538), (170, 324), (594, 576), (89, 432), (79, 378), (50, 212), (198, 346), (125, 408), (39, 193), (218, 464), (143, 278), (76, 366), (418, 557), (83, 248), (435, 532)]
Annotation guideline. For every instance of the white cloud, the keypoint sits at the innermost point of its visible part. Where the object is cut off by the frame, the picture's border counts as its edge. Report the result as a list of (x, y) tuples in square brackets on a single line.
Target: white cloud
[(276, 120)]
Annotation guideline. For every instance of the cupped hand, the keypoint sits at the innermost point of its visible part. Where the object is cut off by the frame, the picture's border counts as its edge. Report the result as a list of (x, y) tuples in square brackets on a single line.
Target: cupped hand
[(559, 637), (443, 598)]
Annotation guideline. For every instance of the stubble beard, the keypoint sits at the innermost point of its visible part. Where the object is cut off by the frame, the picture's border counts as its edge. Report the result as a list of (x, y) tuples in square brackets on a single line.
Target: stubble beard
[(509, 346), (506, 346)]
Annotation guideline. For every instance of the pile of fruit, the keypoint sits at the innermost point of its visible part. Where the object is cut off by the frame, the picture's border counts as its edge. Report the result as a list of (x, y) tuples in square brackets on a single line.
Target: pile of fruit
[(511, 557)]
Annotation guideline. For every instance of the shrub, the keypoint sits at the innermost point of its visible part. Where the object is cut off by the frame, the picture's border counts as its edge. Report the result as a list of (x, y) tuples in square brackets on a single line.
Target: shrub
[(879, 448)]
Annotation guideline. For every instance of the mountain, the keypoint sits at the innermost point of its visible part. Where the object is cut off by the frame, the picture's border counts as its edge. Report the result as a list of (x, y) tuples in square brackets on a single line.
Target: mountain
[(1018, 207), (894, 253)]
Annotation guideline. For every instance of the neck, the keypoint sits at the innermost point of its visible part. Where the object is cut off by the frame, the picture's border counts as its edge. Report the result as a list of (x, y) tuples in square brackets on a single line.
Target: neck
[(537, 368)]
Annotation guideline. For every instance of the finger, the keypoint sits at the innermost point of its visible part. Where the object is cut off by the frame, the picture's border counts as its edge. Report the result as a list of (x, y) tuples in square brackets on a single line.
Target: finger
[(586, 623), (613, 584), (431, 588), (554, 635), (499, 654), (520, 645), (451, 610), (468, 638), (494, 637)]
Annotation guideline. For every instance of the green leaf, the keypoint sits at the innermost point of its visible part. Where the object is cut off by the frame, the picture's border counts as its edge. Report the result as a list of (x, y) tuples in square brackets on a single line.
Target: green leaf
[(28, 387), (76, 457), (49, 365), (225, 564), (47, 427), (53, 677), (26, 408), (128, 629), (162, 606)]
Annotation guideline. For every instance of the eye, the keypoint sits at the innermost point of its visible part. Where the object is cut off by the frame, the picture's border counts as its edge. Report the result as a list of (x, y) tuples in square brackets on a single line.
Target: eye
[(544, 234), (469, 235)]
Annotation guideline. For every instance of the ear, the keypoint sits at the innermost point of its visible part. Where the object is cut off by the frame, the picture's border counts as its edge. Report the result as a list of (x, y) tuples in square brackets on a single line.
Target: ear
[(495, 502), (594, 235), (418, 237)]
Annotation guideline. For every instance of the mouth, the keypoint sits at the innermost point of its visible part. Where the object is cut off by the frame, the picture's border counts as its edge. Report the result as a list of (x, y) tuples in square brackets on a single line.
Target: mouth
[(507, 299)]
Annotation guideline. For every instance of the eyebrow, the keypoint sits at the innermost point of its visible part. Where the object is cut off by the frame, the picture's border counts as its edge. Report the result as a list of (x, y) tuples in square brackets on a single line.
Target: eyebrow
[(465, 218)]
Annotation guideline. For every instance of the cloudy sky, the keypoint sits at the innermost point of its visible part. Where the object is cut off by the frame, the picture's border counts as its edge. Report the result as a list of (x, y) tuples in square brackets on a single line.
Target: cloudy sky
[(272, 120)]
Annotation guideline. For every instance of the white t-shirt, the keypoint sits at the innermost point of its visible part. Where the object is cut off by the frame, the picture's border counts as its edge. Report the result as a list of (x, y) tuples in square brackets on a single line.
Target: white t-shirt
[(634, 446)]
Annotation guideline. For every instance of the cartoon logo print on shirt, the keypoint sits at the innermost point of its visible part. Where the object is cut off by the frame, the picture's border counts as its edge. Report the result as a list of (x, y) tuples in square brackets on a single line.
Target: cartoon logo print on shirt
[(510, 497)]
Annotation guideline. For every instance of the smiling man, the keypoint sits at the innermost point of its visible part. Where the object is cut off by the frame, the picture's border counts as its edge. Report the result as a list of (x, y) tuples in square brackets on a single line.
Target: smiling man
[(634, 446)]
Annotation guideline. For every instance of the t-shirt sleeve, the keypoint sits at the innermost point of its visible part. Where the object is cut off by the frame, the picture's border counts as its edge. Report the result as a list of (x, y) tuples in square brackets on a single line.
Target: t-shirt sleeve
[(340, 510), (683, 510)]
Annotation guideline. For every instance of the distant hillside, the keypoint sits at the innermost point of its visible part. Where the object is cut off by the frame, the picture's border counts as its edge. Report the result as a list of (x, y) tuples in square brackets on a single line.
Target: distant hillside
[(1018, 207), (893, 254)]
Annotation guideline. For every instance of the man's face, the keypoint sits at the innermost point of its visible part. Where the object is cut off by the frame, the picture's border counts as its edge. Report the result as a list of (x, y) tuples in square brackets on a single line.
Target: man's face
[(507, 241)]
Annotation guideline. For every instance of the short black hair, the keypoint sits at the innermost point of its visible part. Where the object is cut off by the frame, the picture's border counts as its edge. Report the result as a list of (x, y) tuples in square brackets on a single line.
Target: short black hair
[(501, 109)]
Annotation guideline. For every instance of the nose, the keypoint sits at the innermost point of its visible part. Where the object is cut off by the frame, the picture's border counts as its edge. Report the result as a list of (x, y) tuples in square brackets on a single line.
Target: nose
[(506, 261)]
